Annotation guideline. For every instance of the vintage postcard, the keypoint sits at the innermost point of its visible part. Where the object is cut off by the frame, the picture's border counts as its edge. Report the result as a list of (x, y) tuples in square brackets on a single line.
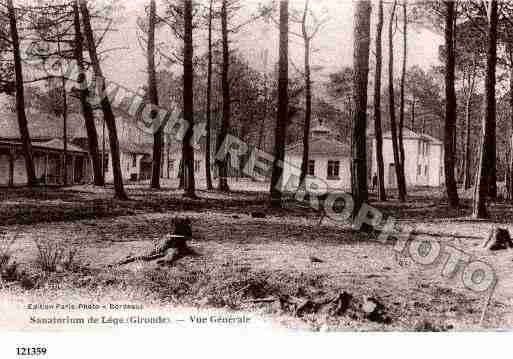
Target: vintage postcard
[(266, 170)]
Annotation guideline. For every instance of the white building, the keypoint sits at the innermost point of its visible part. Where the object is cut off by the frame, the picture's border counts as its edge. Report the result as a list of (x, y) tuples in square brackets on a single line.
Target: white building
[(134, 160), (328, 166), (328, 161), (423, 160), (173, 154), (48, 159)]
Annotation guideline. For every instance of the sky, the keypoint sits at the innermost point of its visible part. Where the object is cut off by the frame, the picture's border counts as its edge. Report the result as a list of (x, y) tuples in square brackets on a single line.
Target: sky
[(333, 44)]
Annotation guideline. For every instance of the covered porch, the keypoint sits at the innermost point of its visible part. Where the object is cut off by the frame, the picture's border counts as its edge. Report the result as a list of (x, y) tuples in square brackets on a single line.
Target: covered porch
[(49, 162)]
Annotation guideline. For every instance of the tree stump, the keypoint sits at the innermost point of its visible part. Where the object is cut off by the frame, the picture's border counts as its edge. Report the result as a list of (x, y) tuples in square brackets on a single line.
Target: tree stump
[(499, 239)]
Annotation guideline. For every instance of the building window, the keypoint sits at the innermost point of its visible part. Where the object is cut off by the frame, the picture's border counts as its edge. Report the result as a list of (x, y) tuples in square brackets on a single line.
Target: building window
[(134, 160), (419, 170), (311, 168), (333, 169), (426, 170), (106, 163), (423, 148), (171, 165), (197, 165)]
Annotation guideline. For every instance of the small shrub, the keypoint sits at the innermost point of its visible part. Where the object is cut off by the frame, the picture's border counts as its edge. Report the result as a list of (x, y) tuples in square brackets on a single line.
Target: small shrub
[(8, 270), (70, 262), (55, 256), (425, 325)]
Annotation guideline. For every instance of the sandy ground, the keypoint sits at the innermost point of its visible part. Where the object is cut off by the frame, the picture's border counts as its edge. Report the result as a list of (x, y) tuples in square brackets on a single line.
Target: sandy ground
[(277, 251)]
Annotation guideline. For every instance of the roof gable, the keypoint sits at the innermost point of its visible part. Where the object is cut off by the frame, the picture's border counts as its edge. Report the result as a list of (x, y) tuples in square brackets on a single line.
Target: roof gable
[(433, 140), (58, 144), (410, 135), (321, 147), (42, 126)]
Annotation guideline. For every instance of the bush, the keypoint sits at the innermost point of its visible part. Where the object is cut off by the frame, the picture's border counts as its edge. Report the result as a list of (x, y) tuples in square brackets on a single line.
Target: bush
[(8, 270), (55, 256)]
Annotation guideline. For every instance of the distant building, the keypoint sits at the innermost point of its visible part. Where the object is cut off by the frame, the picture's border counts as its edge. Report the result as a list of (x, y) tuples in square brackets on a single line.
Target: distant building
[(46, 132), (173, 161), (328, 160), (48, 149), (135, 148), (135, 161), (423, 157), (48, 163)]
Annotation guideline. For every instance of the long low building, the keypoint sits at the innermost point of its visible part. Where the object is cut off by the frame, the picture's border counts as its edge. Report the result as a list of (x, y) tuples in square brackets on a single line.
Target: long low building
[(48, 163), (46, 131)]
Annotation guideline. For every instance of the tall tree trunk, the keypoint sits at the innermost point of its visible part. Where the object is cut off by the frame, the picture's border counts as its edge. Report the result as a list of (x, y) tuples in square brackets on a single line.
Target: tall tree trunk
[(87, 110), (208, 166), (377, 107), (108, 114), (308, 102), (65, 131), (393, 124), (181, 174), (283, 106), (401, 105), (168, 154), (158, 135), (487, 158), (510, 164), (188, 101), (20, 98), (412, 114), (64, 110), (359, 123), (468, 108), (225, 84), (450, 108), (265, 109)]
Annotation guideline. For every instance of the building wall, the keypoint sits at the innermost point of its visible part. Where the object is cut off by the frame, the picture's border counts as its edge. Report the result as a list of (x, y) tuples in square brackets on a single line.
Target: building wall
[(414, 157), (20, 172), (388, 158), (127, 166), (199, 165), (292, 171), (128, 169), (40, 165), (437, 179), (4, 170)]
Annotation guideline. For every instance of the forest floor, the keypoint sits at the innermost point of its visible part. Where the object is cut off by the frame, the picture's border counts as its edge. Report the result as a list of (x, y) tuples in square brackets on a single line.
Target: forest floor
[(285, 268)]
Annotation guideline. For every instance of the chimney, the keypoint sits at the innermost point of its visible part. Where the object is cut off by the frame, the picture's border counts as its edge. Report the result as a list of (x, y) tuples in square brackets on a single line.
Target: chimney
[(320, 131)]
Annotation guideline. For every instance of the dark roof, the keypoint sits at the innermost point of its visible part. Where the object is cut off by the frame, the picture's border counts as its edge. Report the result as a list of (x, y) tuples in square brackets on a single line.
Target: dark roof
[(201, 146), (41, 125), (320, 146), (409, 134), (433, 140), (129, 147), (58, 144), (46, 127), (55, 144), (139, 148)]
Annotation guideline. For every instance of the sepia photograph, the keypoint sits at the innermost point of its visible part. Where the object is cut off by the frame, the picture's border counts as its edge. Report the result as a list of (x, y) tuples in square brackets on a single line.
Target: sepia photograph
[(254, 166)]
